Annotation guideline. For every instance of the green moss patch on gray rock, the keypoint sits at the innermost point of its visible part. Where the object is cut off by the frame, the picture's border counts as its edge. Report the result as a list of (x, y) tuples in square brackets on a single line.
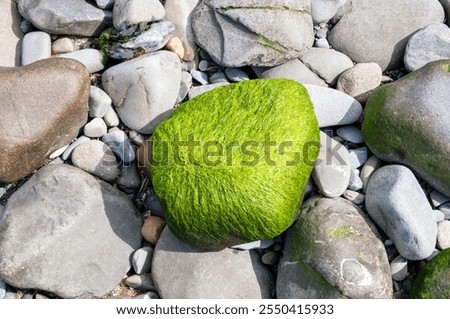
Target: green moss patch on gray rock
[(407, 122), (333, 251), (433, 281), (231, 164)]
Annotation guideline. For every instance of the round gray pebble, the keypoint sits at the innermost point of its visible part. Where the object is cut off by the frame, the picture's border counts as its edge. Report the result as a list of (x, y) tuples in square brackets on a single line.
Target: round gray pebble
[(120, 145), (358, 157), (399, 268), (141, 282), (322, 43), (99, 102), (322, 33), (111, 118), (350, 133), (443, 235), (236, 75), (203, 65), (218, 77), (355, 183), (200, 77), (438, 215)]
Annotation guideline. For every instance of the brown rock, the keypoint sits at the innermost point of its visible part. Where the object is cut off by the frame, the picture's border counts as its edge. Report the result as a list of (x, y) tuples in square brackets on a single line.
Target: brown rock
[(42, 107), (152, 229)]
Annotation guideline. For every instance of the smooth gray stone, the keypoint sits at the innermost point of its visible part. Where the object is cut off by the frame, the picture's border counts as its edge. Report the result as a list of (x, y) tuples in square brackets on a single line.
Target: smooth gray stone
[(429, 44), (333, 107), (322, 33), (322, 44), (438, 215), (142, 260), (36, 45), (141, 282), (127, 14), (26, 26), (327, 63), (350, 133), (66, 232), (358, 156), (96, 158), (11, 34), (218, 77), (293, 70), (63, 45), (105, 4), (355, 197), (360, 80), (145, 89), (331, 171), (371, 165), (75, 17), (203, 65), (111, 119), (152, 40), (91, 58), (333, 251), (397, 203), (99, 102), (324, 10), (238, 32), (200, 77), (355, 183), (153, 203), (446, 210), (95, 128), (399, 268), (120, 145), (68, 152), (361, 30), (236, 75), (129, 177), (179, 13), (443, 235), (235, 273)]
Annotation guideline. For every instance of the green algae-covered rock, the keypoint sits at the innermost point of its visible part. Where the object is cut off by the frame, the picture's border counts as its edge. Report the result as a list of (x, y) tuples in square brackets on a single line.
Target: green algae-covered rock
[(433, 281), (407, 122), (231, 164)]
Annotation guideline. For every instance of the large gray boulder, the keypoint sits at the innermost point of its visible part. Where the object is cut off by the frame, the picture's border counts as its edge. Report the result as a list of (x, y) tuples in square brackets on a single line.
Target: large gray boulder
[(74, 17), (370, 32), (181, 271), (333, 251), (144, 90), (397, 203), (406, 122), (258, 33), (66, 232)]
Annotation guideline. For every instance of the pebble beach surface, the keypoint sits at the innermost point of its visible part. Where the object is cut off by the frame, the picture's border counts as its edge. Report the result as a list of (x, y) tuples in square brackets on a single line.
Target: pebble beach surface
[(87, 84)]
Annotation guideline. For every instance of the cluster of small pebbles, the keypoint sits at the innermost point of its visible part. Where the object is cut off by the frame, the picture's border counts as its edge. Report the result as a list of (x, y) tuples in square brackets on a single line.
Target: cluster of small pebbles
[(75, 140)]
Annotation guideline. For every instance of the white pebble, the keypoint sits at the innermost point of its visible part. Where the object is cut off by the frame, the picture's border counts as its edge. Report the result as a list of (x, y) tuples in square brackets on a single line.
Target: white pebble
[(111, 118), (58, 152), (95, 128), (68, 152)]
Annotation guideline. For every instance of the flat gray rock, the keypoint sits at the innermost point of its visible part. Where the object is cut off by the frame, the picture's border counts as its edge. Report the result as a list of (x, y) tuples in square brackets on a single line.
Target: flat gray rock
[(179, 13), (332, 170), (181, 271), (360, 31), (144, 90), (257, 33), (333, 107), (99, 102), (397, 203), (293, 70), (429, 44), (350, 133), (69, 233), (75, 17), (10, 19), (327, 63), (91, 58), (333, 251), (36, 45)]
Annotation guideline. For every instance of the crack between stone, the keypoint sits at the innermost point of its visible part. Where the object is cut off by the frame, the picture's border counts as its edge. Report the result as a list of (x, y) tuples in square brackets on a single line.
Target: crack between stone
[(283, 8)]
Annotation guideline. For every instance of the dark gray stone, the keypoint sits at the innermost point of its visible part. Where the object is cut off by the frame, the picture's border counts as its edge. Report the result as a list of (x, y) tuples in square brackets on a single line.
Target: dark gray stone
[(391, 23), (182, 271), (69, 233), (333, 251), (75, 17), (238, 32), (397, 203)]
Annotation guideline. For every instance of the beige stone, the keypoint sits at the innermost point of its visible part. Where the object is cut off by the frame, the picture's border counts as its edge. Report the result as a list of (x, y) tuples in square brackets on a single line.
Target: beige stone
[(10, 33)]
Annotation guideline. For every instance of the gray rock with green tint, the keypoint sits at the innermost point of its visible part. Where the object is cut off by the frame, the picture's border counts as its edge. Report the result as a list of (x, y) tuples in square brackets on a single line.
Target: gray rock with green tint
[(264, 28), (249, 149), (333, 251), (407, 122)]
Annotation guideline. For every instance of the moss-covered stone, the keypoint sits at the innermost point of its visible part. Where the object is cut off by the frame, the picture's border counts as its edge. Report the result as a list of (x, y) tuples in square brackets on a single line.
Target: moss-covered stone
[(433, 281), (407, 122), (231, 164)]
